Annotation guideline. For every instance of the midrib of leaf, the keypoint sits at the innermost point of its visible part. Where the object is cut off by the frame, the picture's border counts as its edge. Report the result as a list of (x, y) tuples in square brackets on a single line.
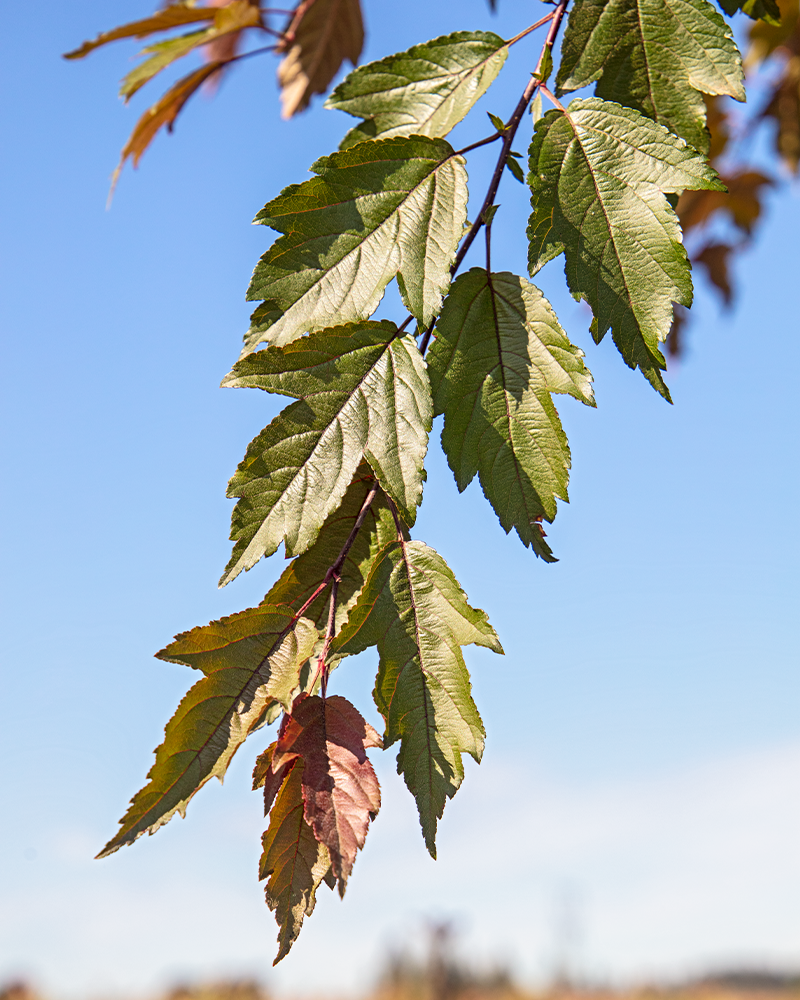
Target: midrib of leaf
[(430, 741), (611, 229), (222, 761), (650, 85), (392, 221), (501, 355)]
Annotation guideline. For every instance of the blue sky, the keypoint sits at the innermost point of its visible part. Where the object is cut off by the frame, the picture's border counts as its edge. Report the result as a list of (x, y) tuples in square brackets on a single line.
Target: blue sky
[(644, 744)]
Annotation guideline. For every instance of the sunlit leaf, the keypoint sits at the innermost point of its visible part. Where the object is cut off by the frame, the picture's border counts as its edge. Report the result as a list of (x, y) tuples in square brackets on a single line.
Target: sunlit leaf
[(425, 90), (599, 174), (363, 392), (249, 660)]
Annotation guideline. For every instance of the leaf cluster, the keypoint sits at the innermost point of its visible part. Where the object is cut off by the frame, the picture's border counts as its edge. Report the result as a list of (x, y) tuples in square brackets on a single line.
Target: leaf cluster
[(337, 477)]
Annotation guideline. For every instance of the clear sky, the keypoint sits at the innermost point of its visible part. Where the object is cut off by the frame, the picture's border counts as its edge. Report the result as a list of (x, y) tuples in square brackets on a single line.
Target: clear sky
[(643, 756)]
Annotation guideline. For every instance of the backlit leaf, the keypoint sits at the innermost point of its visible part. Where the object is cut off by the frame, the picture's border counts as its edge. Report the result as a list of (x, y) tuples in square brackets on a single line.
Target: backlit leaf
[(364, 394), (498, 355), (305, 573), (292, 860), (163, 113), (599, 176), (229, 21), (340, 789), (765, 10), (414, 610), (249, 660), (319, 37), (386, 208), (653, 55), (173, 16), (425, 90)]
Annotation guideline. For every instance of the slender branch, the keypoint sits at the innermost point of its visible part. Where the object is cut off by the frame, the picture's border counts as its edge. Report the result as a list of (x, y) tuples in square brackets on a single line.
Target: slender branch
[(335, 568), (362, 514), (533, 27), (404, 324), (322, 662), (551, 97), (477, 145), (489, 249), (509, 134)]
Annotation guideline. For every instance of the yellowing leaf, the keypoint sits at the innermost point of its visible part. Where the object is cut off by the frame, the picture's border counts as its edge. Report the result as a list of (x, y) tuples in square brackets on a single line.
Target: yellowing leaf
[(220, 40), (249, 661), (173, 16), (293, 861), (162, 113), (320, 36)]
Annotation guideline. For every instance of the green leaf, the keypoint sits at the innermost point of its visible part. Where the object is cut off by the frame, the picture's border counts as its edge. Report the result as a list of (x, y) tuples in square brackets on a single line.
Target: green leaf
[(653, 55), (414, 610), (426, 90), (498, 122), (764, 10), (305, 573), (292, 860), (547, 65), (599, 176), (364, 393), (498, 355), (393, 207), (250, 660), (516, 169)]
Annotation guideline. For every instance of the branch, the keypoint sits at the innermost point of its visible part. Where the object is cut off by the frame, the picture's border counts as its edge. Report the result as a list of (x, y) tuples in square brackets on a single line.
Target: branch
[(508, 138)]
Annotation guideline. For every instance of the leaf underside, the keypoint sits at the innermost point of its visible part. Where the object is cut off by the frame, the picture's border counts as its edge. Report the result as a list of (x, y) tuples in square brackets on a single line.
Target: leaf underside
[(340, 789), (414, 610), (320, 36), (293, 862), (499, 353), (425, 90), (305, 573), (380, 209), (250, 660), (364, 394), (599, 174), (658, 56)]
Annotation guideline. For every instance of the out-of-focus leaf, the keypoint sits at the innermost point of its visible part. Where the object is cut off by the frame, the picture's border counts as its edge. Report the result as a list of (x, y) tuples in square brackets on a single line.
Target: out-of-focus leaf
[(741, 202), (426, 90), (250, 660), (715, 258), (162, 113), (784, 108), (767, 38), (319, 37), (389, 207), (292, 860), (766, 10), (173, 16), (219, 39)]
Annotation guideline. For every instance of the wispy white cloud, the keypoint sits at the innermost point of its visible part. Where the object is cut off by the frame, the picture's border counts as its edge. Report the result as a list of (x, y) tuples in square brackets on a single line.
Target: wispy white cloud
[(666, 874)]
